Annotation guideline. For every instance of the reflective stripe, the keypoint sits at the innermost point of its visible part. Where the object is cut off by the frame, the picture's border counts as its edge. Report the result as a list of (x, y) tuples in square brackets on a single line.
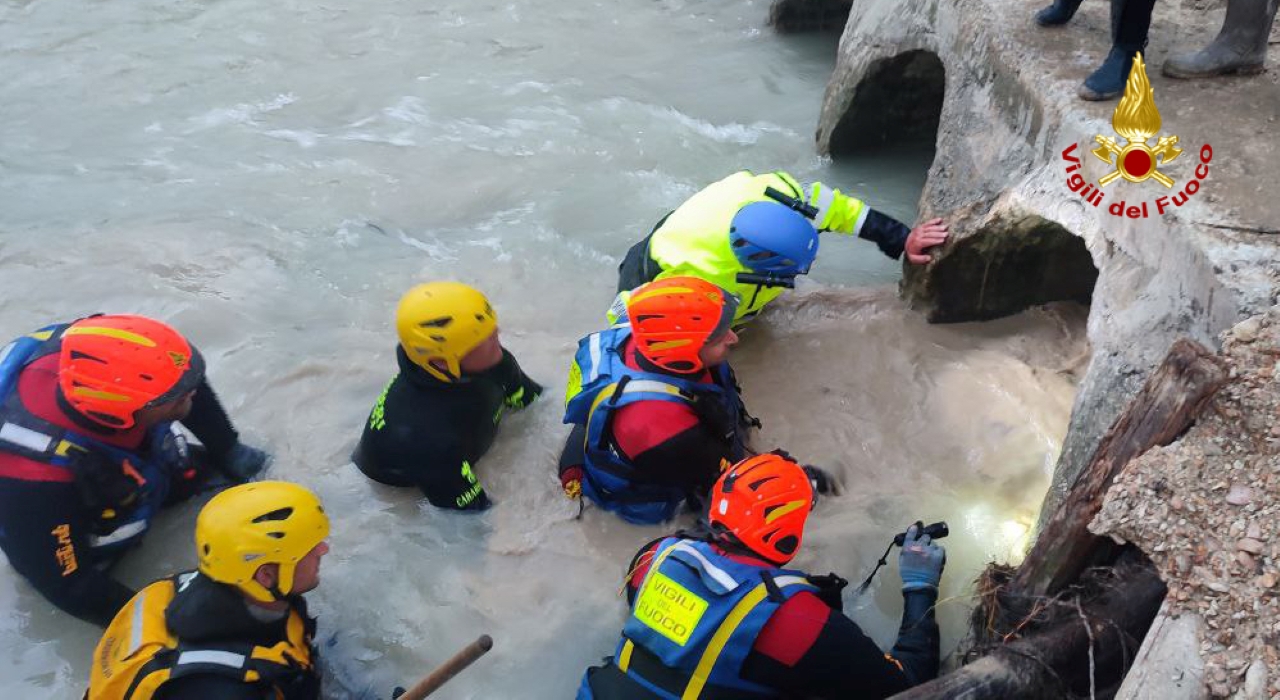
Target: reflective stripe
[(716, 572), (726, 630), (624, 659), (595, 357), (25, 437), (862, 217), (135, 637), (210, 656), (650, 386), (821, 198), (120, 534)]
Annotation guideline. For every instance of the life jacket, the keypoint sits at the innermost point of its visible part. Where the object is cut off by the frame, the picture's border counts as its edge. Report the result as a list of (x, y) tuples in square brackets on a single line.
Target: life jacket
[(693, 623), (600, 383), (139, 652), (694, 239), (145, 480)]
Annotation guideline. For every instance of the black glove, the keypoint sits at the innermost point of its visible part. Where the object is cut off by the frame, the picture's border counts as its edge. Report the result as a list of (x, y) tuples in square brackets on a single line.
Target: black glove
[(103, 483), (821, 481), (829, 589), (243, 463), (524, 394), (397, 692), (714, 416)]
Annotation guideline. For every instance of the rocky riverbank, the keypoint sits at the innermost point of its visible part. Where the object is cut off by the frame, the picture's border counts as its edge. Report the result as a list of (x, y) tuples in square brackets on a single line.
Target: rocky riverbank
[(1204, 509)]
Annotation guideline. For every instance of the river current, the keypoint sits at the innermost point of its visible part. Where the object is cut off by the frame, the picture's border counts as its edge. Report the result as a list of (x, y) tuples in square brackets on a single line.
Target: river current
[(271, 177)]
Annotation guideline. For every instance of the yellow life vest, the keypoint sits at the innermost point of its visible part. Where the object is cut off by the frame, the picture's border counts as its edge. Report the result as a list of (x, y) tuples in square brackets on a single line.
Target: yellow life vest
[(138, 653)]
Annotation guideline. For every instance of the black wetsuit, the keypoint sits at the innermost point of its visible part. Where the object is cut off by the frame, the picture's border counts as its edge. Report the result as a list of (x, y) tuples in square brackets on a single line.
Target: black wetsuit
[(45, 526), (428, 433)]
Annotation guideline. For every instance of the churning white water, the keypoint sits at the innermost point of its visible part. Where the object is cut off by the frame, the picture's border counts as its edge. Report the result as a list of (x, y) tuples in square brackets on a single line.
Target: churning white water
[(270, 177)]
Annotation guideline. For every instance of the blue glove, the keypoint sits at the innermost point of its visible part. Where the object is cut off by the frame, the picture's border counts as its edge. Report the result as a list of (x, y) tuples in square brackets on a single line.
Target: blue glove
[(243, 463), (920, 562)]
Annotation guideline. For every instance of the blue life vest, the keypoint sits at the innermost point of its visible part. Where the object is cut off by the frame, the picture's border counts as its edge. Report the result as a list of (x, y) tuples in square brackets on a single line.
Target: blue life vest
[(27, 435), (693, 623), (600, 383)]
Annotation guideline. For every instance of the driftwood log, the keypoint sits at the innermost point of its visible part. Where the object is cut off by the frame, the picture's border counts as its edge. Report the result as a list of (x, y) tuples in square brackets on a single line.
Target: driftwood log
[(1168, 404), (1080, 654), (1061, 633)]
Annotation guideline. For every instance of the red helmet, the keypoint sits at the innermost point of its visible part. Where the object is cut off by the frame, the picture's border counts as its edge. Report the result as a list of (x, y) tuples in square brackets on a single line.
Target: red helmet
[(112, 366), (673, 318), (763, 501)]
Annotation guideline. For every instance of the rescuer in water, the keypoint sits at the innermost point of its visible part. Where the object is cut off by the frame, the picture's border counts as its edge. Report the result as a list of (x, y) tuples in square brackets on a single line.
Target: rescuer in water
[(237, 628), (90, 451), (751, 235), (440, 414), (715, 614)]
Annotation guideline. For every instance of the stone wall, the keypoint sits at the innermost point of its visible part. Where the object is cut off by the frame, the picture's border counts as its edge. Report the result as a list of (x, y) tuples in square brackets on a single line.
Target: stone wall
[(1001, 93)]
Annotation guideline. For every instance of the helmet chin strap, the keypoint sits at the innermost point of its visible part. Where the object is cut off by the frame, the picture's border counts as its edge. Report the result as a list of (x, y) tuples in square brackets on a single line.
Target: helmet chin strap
[(730, 543), (276, 595)]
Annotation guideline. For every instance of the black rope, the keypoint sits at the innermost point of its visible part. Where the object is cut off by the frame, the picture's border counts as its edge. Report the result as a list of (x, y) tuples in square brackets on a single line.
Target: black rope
[(884, 559)]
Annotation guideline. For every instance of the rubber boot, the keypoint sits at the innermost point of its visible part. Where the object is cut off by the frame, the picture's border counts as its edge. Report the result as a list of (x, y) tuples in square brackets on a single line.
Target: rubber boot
[(1059, 13), (1241, 46), (1130, 20)]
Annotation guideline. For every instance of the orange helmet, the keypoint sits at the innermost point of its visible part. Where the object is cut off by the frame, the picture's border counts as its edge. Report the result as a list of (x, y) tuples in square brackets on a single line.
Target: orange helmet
[(112, 366), (763, 501), (673, 318)]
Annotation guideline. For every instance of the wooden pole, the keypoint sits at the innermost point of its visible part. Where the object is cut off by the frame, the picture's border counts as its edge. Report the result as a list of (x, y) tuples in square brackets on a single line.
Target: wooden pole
[(1168, 404), (432, 682)]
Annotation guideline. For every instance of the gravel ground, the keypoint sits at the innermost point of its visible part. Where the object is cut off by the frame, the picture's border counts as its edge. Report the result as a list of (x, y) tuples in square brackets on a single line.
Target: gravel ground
[(1204, 508)]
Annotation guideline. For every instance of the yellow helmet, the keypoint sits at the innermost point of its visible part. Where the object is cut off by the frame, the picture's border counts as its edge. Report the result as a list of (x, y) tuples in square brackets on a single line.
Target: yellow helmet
[(264, 522), (443, 321)]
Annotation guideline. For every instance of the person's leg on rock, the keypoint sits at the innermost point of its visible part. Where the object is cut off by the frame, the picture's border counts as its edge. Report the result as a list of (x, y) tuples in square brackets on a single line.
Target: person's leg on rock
[(1241, 45), (1130, 20), (1059, 13)]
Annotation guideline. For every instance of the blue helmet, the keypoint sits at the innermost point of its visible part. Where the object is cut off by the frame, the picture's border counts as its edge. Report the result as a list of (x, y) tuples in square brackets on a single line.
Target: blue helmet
[(772, 239)]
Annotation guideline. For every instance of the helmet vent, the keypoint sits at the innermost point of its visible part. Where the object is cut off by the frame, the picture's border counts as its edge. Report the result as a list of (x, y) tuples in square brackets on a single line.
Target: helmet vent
[(77, 355), (147, 377), (787, 545), (105, 418), (442, 322), (755, 485), (281, 514), (276, 535)]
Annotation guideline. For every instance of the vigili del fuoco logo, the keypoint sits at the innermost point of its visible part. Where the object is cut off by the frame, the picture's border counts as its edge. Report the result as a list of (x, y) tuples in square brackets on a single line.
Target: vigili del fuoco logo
[(1136, 120)]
